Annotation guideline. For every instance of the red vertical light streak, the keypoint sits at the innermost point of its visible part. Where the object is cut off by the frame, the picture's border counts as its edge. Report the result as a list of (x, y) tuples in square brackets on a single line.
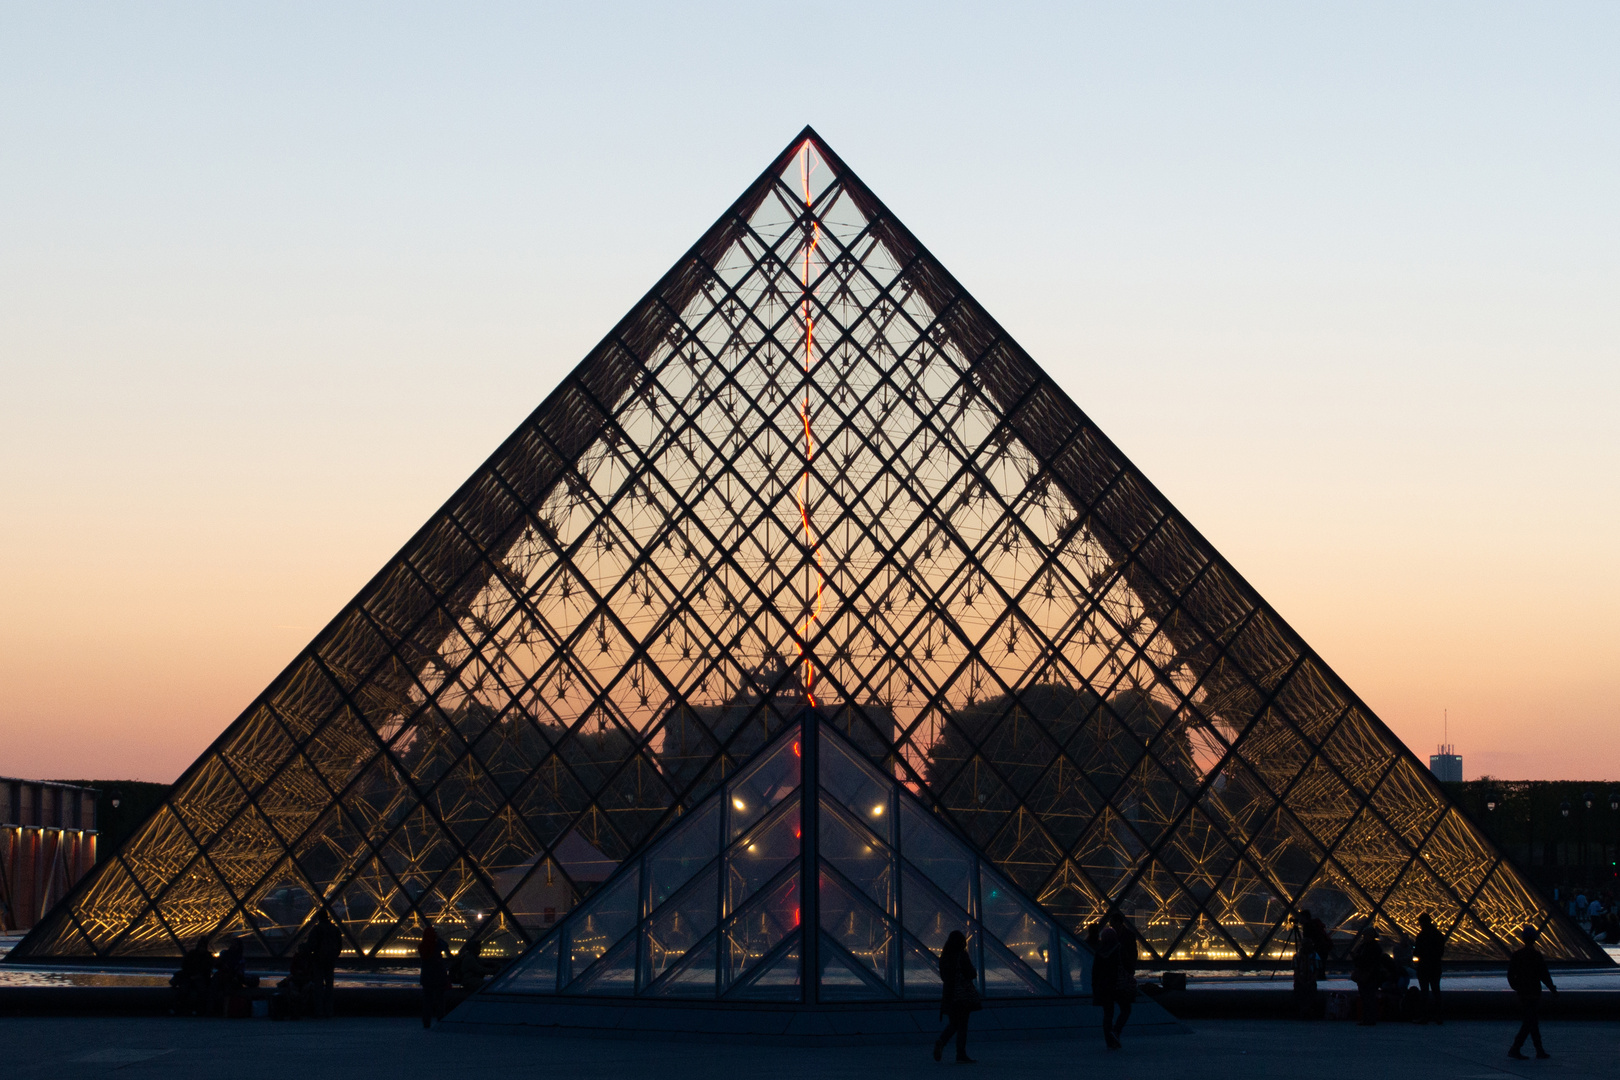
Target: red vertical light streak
[(813, 610)]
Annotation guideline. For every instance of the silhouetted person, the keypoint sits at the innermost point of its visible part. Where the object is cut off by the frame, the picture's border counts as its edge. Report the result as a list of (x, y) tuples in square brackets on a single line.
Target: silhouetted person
[(469, 970), (1369, 967), (959, 998), (1113, 977), (1526, 972), (1317, 939), (1305, 972), (295, 995), (327, 942), (1104, 965), (1427, 949), (435, 976), (191, 981)]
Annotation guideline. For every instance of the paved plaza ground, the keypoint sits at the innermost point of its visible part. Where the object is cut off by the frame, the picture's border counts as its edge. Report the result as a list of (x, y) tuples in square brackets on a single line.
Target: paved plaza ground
[(398, 1049)]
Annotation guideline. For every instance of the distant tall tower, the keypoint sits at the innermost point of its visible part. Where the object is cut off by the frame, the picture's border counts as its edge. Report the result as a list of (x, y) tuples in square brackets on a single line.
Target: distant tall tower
[(1447, 764)]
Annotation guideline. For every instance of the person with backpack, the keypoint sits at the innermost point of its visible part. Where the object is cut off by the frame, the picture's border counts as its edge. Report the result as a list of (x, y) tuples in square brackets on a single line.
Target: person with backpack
[(959, 998), (1526, 972)]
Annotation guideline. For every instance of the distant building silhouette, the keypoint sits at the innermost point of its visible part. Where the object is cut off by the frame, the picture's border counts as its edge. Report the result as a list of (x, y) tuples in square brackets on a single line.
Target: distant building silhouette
[(1447, 764)]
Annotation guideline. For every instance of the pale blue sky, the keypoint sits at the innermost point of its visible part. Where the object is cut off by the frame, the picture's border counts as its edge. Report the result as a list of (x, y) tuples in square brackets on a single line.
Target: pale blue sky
[(1342, 279)]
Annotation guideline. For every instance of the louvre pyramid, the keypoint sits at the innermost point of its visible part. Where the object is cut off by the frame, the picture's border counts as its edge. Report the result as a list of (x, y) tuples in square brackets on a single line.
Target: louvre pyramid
[(714, 909), (806, 468)]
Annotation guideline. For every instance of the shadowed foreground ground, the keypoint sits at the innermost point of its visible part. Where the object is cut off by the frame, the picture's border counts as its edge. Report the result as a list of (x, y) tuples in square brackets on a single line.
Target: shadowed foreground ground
[(170, 1049)]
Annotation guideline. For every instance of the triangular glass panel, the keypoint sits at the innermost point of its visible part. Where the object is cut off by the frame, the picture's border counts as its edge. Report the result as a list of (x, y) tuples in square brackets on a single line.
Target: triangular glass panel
[(863, 931), (846, 978), (678, 924), (693, 977), (751, 935), (614, 974), (601, 922), (861, 858), (686, 849), (1003, 975), (778, 977), (931, 848)]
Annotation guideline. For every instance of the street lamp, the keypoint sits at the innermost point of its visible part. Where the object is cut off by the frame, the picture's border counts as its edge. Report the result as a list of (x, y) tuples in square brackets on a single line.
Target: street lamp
[(1563, 808)]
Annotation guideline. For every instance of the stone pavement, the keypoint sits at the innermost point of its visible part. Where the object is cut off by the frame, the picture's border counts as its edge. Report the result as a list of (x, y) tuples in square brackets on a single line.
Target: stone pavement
[(398, 1049)]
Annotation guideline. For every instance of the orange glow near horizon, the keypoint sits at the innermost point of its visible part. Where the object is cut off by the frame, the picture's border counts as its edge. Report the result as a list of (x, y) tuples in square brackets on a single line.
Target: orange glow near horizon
[(813, 610)]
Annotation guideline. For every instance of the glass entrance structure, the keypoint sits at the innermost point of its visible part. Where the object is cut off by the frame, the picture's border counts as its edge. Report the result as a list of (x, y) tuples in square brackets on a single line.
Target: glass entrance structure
[(715, 909), (806, 471)]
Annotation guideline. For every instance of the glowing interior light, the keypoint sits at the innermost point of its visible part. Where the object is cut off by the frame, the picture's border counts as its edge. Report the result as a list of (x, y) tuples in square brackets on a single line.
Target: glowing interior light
[(877, 811), (738, 803)]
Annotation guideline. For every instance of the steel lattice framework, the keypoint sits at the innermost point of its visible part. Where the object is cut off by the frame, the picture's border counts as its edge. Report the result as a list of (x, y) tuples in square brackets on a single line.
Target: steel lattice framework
[(807, 468)]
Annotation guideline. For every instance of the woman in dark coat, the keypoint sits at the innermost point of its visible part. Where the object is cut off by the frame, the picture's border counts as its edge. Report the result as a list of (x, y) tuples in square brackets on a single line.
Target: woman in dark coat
[(960, 998), (1113, 978)]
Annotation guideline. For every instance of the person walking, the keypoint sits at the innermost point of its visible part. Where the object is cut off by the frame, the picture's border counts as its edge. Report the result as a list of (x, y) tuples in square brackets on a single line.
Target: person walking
[(1427, 949), (1104, 966), (435, 976), (1124, 995), (1526, 972), (1113, 970), (959, 998)]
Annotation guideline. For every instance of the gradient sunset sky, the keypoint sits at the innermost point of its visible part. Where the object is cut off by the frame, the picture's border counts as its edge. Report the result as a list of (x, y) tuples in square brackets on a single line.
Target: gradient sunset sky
[(1342, 279)]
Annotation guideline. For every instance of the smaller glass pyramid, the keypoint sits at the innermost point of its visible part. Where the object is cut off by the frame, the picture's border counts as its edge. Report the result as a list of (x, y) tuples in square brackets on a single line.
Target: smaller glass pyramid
[(715, 908)]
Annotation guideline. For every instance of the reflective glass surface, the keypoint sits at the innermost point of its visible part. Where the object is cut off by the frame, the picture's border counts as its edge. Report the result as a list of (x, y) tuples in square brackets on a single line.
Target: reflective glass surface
[(807, 468)]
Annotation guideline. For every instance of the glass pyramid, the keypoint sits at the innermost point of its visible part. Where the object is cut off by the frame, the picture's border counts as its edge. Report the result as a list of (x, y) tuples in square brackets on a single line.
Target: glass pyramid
[(807, 469), (714, 908)]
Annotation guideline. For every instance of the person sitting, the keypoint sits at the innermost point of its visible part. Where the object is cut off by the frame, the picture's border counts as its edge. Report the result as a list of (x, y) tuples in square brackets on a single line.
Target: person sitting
[(295, 995), (191, 981), (469, 970), (230, 979)]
